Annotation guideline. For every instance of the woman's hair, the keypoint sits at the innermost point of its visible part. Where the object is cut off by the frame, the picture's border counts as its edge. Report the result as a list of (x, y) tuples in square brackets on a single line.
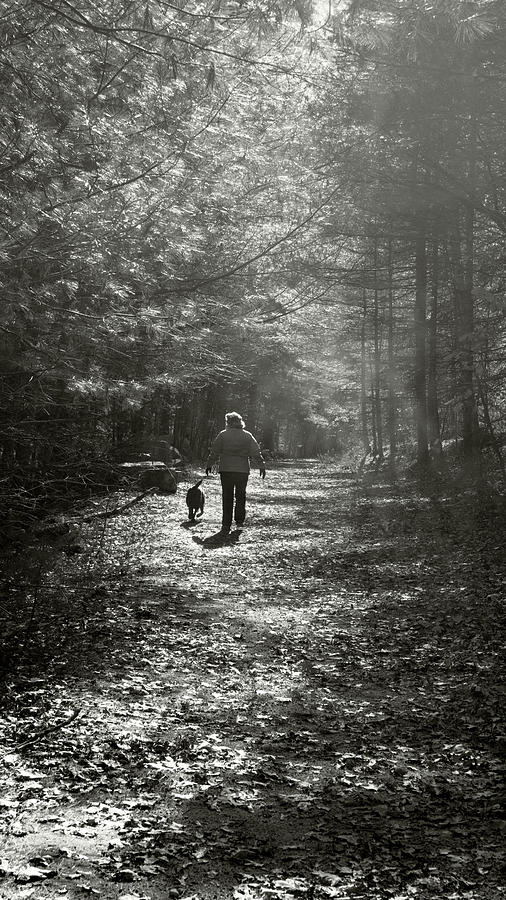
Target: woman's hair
[(234, 420)]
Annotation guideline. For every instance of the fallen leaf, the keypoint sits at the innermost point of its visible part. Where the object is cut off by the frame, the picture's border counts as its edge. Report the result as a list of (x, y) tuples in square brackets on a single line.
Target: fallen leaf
[(33, 873)]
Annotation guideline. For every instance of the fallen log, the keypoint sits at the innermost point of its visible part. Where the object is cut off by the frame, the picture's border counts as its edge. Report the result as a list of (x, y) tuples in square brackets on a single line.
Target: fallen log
[(118, 510), (151, 473)]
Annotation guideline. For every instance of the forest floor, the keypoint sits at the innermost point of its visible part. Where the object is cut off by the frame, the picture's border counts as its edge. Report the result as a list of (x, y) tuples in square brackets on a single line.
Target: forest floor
[(310, 709)]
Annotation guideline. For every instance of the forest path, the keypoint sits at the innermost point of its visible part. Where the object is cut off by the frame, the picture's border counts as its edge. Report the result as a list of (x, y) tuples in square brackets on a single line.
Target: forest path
[(302, 711)]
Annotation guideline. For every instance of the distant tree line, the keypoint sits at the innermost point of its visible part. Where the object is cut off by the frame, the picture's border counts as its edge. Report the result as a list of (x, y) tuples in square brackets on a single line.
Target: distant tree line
[(412, 128)]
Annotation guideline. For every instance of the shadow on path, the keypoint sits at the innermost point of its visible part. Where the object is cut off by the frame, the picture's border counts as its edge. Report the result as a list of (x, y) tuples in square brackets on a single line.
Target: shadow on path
[(213, 541)]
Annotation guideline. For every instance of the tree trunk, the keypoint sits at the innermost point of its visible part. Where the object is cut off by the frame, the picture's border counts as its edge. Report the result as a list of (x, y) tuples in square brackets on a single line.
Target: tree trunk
[(496, 447), (434, 430), (377, 360), (374, 424), (470, 429), (464, 327), (363, 377), (252, 408), (420, 351), (469, 412), (392, 402)]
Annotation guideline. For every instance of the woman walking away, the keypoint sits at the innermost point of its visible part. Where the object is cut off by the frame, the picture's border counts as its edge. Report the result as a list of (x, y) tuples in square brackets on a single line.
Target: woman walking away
[(234, 448)]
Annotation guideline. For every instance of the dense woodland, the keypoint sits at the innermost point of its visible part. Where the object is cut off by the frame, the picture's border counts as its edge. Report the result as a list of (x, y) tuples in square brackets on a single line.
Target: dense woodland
[(298, 212), (295, 209)]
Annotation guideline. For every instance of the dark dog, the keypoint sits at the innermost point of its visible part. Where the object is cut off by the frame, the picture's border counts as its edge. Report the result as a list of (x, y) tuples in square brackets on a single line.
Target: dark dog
[(195, 501)]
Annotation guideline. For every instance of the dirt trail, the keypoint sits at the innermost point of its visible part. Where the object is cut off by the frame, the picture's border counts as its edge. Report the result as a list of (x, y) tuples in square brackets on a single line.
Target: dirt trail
[(301, 711)]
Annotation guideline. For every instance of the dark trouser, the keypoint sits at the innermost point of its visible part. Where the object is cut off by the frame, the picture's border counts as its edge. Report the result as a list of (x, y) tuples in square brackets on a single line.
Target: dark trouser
[(233, 484)]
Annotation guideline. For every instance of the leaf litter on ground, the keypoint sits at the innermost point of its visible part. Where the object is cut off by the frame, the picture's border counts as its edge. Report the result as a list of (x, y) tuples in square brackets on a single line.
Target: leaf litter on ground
[(312, 711)]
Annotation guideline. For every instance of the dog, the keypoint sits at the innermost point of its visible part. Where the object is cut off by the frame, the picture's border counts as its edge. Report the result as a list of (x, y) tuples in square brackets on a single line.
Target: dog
[(195, 501)]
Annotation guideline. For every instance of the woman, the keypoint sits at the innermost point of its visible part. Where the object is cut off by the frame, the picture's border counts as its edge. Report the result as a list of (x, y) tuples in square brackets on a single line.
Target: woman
[(234, 448)]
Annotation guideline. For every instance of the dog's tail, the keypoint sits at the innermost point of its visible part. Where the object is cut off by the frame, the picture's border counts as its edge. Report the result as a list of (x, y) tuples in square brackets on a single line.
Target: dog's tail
[(198, 483)]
